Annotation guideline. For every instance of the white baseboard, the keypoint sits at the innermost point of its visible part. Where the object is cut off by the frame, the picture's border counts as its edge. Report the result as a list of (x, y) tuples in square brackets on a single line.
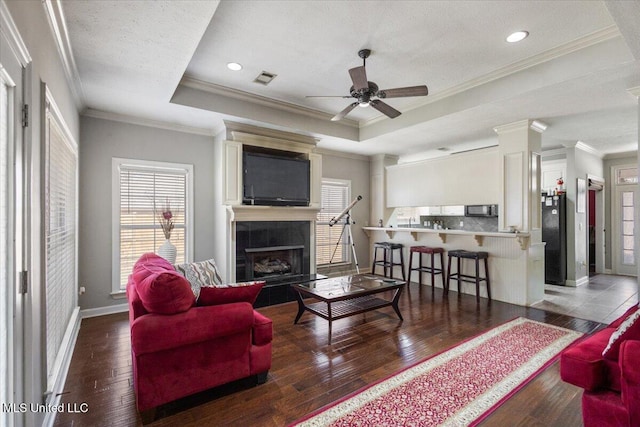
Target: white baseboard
[(582, 281), (103, 311)]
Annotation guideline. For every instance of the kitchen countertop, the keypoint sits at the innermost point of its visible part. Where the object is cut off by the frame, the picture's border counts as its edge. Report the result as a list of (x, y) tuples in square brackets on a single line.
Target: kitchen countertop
[(523, 238)]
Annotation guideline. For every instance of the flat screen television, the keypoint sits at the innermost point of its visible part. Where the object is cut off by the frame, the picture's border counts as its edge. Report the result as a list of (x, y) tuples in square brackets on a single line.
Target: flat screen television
[(272, 180)]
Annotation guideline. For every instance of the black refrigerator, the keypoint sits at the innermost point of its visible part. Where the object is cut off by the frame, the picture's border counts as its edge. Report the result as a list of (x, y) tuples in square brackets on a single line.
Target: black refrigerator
[(554, 234)]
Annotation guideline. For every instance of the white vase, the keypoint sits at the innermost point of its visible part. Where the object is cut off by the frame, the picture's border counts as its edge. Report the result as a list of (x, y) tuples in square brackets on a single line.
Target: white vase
[(168, 251)]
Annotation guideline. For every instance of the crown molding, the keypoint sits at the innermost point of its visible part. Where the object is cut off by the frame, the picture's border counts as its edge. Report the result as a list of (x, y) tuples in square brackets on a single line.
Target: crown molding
[(116, 117), (260, 100), (554, 152), (511, 127), (635, 91), (589, 149), (596, 37), (236, 129), (621, 155), (343, 154), (538, 126), (57, 22), (10, 30)]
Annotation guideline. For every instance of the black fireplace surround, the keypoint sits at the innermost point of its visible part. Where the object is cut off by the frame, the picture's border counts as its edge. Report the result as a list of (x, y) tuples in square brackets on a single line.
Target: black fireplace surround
[(273, 245)]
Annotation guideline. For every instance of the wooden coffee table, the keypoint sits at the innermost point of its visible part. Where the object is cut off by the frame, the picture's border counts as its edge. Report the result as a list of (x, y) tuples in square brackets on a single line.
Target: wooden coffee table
[(341, 297)]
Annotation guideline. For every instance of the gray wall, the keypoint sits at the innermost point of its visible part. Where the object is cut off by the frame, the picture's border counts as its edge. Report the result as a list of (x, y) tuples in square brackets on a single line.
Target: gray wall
[(105, 139), (356, 169)]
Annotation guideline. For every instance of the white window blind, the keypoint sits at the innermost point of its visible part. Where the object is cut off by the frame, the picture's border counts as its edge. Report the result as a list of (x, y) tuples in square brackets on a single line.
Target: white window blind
[(144, 190), (60, 235), (335, 198)]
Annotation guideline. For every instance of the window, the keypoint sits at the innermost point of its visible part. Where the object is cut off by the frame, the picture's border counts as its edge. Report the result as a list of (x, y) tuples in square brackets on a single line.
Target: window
[(140, 190), (628, 249), (332, 243), (60, 234), (628, 175)]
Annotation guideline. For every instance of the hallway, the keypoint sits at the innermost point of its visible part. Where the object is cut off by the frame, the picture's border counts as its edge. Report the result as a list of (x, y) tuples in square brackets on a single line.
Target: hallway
[(603, 299)]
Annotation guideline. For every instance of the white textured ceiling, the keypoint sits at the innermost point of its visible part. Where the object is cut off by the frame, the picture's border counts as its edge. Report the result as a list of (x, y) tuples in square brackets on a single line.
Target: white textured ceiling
[(572, 72)]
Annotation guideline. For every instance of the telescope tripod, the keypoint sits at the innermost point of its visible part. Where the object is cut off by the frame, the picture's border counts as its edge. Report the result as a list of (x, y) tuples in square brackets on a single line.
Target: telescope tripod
[(347, 226)]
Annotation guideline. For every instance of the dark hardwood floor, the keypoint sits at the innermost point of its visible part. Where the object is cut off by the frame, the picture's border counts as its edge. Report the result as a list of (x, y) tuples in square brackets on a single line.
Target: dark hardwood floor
[(307, 373)]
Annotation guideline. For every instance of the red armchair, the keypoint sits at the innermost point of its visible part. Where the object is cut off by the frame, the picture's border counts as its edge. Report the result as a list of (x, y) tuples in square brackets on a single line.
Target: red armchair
[(179, 348), (611, 385)]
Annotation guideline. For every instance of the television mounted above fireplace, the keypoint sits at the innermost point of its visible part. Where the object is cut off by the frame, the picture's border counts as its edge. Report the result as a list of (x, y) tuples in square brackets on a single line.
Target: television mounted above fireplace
[(275, 180)]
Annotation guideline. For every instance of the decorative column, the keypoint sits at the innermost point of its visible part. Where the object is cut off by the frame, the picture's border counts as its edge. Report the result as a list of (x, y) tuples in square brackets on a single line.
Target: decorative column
[(379, 210), (520, 147)]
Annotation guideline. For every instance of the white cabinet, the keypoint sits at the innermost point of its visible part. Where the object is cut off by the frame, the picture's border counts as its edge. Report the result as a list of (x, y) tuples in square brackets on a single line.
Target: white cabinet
[(316, 180), (551, 171), (232, 173), (453, 210)]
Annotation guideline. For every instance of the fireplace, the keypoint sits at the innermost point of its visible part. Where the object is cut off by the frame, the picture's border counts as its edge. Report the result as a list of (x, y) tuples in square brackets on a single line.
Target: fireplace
[(272, 250), (274, 263)]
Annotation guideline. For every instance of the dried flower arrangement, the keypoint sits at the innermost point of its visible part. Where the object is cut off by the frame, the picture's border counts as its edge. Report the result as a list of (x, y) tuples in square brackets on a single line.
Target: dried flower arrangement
[(165, 218)]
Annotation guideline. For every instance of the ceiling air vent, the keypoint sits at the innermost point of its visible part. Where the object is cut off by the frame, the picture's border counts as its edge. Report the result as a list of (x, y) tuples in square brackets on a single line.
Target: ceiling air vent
[(265, 78)]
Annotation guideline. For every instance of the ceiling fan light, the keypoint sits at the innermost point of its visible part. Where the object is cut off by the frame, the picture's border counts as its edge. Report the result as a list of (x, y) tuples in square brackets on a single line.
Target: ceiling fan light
[(517, 36), (364, 104)]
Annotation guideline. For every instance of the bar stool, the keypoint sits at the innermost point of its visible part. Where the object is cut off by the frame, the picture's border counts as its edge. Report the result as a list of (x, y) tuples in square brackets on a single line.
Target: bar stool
[(460, 277), (420, 250), (387, 259)]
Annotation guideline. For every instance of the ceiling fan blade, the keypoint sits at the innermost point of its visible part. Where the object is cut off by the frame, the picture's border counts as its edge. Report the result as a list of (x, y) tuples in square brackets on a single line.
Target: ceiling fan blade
[(385, 109), (404, 91), (359, 78), (344, 112), (328, 96)]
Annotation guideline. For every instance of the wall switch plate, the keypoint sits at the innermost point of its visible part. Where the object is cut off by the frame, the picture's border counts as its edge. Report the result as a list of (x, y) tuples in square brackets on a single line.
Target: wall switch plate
[(461, 224)]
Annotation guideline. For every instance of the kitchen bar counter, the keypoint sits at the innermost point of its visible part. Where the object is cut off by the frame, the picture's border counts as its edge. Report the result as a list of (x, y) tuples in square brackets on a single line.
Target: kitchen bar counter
[(479, 236)]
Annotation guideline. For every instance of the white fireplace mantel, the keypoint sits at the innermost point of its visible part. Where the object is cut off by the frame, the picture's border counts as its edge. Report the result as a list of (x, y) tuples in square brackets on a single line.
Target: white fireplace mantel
[(272, 213)]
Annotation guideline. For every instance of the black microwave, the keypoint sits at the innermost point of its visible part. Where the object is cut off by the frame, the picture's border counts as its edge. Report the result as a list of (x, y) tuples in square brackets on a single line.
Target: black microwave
[(481, 210)]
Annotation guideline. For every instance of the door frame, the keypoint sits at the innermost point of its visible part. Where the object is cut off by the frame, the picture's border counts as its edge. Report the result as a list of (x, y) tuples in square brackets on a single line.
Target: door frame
[(600, 216), (15, 62)]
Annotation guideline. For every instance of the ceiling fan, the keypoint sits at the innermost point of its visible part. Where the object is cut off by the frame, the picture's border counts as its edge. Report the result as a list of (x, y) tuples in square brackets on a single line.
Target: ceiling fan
[(365, 92)]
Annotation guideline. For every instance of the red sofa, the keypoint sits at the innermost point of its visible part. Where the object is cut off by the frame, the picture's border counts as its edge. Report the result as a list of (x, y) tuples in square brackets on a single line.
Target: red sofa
[(611, 382), (179, 348)]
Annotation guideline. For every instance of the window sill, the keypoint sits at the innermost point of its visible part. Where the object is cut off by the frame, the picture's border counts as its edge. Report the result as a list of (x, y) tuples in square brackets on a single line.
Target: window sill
[(119, 295)]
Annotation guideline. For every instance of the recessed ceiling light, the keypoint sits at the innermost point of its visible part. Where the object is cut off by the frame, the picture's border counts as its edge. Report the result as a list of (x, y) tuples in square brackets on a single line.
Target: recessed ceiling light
[(517, 36), (234, 66)]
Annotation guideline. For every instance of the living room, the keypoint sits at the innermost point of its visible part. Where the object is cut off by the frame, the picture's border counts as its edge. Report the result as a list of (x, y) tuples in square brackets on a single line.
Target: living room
[(588, 102)]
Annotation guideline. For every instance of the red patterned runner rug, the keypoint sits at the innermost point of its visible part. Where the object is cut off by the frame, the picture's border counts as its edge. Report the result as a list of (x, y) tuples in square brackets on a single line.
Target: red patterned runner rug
[(458, 387)]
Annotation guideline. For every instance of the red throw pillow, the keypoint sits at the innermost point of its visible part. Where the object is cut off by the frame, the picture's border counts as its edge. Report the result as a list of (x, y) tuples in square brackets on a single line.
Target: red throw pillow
[(166, 292), (622, 318), (149, 263), (628, 330), (237, 292)]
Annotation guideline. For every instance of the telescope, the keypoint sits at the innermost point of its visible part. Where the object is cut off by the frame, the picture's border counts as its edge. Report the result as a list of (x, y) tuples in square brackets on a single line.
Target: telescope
[(346, 210)]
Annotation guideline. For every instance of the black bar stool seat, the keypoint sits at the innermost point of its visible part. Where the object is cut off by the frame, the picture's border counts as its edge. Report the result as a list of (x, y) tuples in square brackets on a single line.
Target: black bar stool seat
[(387, 261), (460, 254), (420, 250)]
